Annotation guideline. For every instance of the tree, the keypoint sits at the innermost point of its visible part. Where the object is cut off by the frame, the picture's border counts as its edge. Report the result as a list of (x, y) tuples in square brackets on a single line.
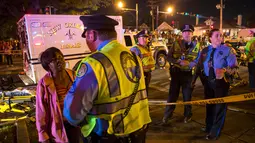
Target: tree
[(12, 11), (82, 6)]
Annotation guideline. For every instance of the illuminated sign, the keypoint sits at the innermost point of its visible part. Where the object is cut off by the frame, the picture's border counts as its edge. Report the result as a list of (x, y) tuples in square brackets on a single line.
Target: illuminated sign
[(55, 29), (70, 46), (35, 24)]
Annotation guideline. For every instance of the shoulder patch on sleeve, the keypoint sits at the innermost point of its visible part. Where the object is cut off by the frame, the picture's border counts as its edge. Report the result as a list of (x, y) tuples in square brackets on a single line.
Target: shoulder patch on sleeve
[(82, 71)]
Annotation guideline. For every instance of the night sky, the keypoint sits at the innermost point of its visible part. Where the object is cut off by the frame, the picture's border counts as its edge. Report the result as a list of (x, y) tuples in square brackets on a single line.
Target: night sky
[(202, 7)]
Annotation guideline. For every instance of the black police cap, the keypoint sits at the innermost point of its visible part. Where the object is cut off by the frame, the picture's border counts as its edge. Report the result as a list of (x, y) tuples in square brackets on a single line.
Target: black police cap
[(98, 22), (187, 27), (142, 33)]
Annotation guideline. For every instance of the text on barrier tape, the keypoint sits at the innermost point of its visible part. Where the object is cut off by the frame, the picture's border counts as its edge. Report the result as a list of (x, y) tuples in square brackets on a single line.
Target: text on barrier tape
[(234, 98)]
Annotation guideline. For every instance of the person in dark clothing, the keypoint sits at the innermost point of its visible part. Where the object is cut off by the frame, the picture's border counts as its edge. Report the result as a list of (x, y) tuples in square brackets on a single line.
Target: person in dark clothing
[(183, 57)]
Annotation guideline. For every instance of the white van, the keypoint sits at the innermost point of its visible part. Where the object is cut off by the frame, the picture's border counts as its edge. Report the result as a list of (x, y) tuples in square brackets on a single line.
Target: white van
[(39, 32)]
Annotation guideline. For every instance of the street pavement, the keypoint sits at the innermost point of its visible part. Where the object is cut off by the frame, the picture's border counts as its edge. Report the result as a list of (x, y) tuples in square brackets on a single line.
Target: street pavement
[(239, 124), (11, 70)]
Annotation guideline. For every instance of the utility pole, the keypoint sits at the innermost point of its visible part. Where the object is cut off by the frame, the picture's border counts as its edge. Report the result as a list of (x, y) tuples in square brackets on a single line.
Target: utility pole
[(152, 22), (221, 6), (136, 18), (152, 4), (157, 16), (221, 14), (197, 20)]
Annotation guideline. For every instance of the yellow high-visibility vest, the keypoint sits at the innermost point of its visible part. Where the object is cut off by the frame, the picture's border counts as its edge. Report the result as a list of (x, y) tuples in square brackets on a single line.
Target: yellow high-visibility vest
[(250, 50), (189, 55), (114, 67), (147, 58)]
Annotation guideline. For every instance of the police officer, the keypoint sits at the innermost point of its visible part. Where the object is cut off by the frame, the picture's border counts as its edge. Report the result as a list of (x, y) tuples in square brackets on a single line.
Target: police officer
[(183, 57), (218, 62), (250, 53), (144, 52), (108, 99)]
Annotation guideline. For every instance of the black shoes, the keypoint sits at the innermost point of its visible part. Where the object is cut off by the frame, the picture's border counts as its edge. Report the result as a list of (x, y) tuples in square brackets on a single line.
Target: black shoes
[(165, 121), (210, 137), (204, 129), (187, 120)]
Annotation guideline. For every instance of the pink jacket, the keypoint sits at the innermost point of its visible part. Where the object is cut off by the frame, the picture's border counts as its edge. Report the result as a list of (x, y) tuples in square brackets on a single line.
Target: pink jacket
[(49, 118)]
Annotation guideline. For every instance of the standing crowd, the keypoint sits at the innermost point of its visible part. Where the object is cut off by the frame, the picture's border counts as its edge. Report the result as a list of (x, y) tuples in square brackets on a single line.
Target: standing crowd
[(6, 54), (106, 98)]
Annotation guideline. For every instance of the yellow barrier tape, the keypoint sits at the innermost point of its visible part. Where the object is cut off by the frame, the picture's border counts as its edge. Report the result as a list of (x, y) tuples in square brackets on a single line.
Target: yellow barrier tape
[(228, 99)]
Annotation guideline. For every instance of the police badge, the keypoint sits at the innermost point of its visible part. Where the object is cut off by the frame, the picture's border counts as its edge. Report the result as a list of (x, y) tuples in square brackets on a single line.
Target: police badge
[(82, 71)]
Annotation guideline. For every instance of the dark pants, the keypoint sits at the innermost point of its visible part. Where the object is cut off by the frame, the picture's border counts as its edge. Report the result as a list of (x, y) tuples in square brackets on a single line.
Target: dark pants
[(215, 113), (179, 79), (9, 59), (147, 80), (73, 133), (251, 69), (136, 137)]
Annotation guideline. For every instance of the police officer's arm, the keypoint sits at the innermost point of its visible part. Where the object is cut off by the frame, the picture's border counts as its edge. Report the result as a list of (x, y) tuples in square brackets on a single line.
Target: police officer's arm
[(170, 57), (250, 45), (194, 62), (136, 51), (232, 62), (247, 48), (79, 100)]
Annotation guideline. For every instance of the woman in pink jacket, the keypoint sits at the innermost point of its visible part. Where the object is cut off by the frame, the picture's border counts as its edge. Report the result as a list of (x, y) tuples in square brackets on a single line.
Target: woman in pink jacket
[(50, 94)]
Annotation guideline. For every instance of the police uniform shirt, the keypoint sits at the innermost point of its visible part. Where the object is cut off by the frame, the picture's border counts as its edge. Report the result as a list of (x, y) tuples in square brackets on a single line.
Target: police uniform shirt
[(136, 50), (223, 57)]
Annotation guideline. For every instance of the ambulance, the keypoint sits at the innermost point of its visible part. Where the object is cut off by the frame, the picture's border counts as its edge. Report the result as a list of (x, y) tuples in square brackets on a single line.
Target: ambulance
[(39, 32)]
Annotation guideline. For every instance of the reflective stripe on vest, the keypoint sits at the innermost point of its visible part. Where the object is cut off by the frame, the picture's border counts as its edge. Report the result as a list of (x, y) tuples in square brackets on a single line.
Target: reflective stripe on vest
[(110, 108), (147, 59), (113, 84), (190, 56)]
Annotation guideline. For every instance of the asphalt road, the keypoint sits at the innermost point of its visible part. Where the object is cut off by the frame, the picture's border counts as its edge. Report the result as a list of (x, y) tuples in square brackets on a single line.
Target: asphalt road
[(239, 123)]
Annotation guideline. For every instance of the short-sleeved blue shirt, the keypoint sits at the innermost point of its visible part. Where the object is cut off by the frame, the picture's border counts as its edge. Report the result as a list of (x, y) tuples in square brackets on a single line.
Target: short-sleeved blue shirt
[(223, 57)]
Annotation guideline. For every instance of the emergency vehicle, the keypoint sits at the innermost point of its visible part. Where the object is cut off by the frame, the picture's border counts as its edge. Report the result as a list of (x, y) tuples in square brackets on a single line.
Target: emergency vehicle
[(39, 32)]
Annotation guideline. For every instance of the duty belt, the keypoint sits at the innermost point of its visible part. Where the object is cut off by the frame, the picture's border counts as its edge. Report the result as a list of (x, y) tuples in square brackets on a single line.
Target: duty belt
[(180, 68)]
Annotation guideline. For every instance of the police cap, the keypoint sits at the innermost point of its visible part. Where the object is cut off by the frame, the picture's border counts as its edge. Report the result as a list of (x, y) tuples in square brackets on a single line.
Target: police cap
[(98, 22), (142, 33), (187, 27)]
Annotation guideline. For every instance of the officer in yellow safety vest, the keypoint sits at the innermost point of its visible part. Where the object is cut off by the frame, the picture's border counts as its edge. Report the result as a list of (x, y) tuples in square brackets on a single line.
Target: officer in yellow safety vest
[(108, 98), (183, 58), (144, 52), (250, 53)]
